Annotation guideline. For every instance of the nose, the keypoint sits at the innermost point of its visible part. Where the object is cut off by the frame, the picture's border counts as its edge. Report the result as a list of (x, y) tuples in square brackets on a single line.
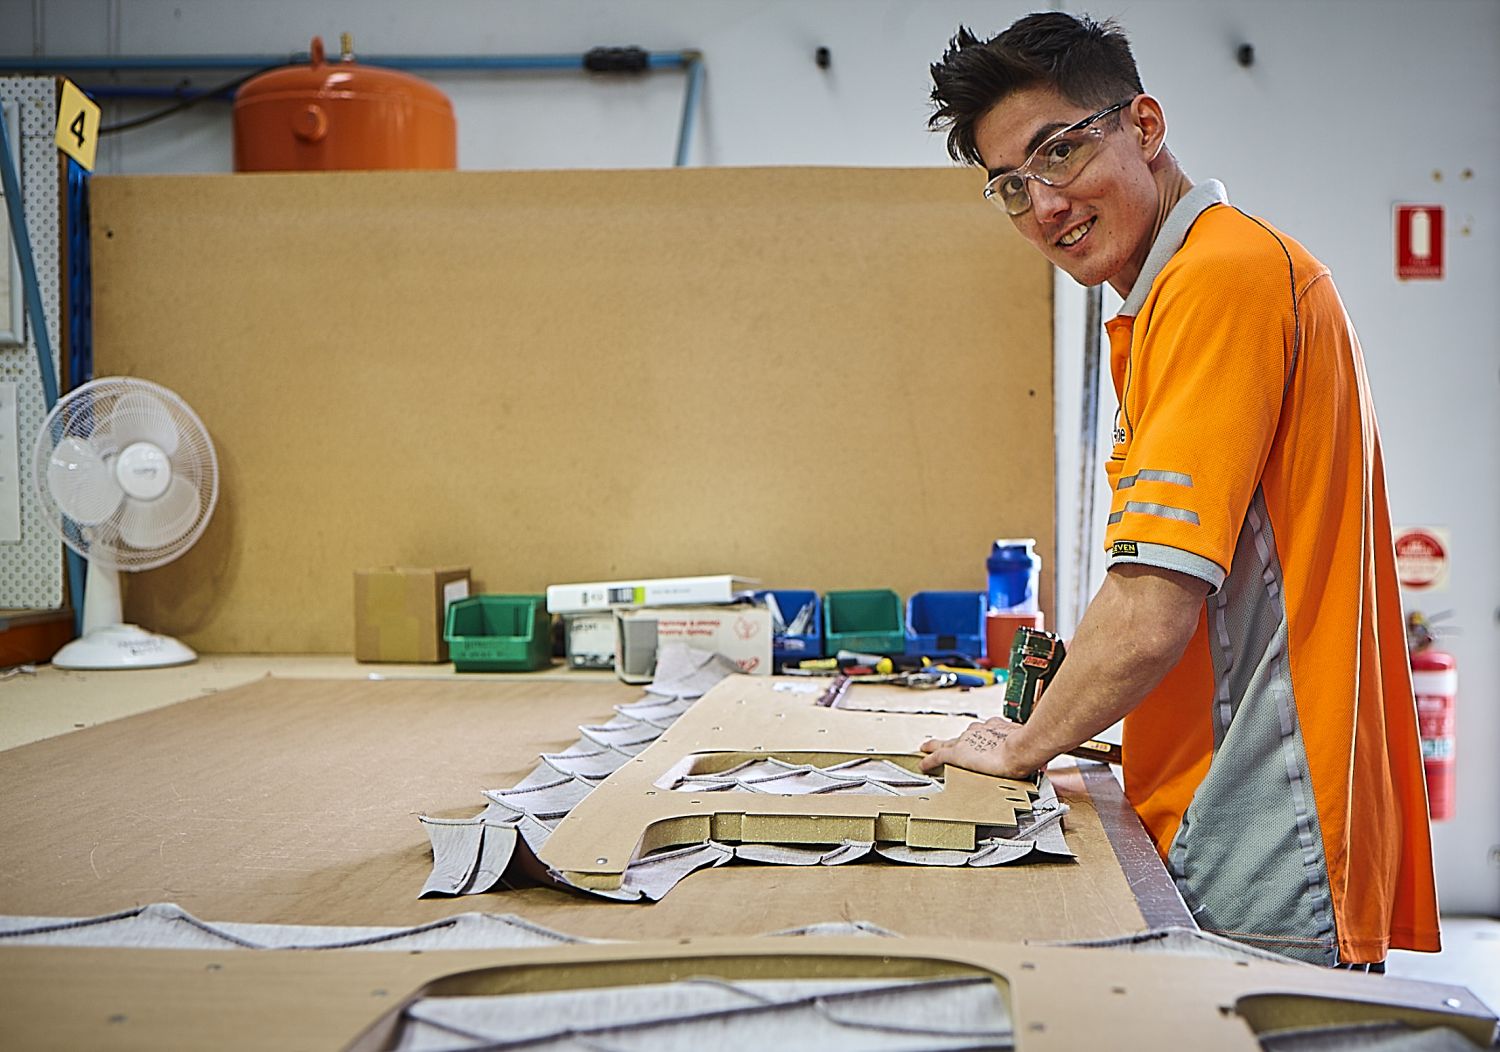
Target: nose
[(1047, 202)]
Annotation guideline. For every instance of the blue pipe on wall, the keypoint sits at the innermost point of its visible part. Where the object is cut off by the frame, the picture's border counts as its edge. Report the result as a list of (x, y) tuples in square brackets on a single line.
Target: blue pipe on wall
[(177, 63), (689, 106), (690, 61)]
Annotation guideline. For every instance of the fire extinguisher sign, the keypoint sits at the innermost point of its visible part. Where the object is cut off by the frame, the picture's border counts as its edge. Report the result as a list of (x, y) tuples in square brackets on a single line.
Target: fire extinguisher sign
[(1419, 241), (1422, 557)]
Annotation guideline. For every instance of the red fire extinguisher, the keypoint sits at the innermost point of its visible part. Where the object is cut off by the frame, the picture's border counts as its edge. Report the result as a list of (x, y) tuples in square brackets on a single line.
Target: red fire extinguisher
[(1434, 677)]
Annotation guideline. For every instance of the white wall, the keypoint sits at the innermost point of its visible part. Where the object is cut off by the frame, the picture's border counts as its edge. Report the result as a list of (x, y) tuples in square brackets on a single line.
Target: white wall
[(1350, 107)]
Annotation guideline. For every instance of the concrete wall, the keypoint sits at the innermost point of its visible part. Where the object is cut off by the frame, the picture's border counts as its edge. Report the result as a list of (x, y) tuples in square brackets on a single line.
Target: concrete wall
[(1349, 107)]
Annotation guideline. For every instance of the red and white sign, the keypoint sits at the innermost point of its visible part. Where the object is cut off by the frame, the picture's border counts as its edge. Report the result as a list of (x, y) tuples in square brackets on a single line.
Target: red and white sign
[(1419, 241), (1422, 557)]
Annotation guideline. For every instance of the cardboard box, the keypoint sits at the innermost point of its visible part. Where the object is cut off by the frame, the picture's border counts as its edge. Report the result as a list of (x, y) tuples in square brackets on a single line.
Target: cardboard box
[(399, 611), (741, 633)]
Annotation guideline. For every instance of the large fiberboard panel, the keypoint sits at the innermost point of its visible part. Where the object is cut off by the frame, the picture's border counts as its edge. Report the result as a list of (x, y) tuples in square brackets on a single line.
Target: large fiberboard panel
[(824, 378)]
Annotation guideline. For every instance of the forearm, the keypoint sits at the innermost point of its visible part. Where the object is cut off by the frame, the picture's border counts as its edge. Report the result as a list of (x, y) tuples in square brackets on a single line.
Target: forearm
[(1132, 634)]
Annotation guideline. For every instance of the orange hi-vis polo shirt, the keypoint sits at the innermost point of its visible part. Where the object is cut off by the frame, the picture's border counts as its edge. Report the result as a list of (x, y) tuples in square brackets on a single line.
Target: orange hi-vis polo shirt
[(1278, 765)]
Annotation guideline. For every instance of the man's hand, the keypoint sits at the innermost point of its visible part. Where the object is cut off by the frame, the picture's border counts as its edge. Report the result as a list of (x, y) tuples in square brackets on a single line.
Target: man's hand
[(1133, 632), (983, 747)]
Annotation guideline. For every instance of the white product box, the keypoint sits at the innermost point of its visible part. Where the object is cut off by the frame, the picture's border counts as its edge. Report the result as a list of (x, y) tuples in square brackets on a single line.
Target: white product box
[(742, 633)]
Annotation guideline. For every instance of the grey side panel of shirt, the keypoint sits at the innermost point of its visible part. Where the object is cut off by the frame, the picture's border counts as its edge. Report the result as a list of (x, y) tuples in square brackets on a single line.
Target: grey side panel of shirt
[(1248, 856)]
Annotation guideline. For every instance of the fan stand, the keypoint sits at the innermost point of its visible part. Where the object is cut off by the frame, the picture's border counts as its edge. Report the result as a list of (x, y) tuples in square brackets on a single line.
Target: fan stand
[(108, 643)]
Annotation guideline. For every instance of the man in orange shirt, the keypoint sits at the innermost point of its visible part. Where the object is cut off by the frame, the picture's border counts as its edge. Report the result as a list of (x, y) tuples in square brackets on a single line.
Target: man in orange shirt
[(1249, 628)]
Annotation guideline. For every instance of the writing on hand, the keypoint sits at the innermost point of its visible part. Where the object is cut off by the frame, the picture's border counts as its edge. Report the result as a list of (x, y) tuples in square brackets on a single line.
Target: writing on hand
[(984, 739)]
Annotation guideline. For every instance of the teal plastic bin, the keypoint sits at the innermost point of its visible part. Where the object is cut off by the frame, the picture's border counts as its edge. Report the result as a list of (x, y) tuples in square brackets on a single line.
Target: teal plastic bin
[(499, 633), (870, 621)]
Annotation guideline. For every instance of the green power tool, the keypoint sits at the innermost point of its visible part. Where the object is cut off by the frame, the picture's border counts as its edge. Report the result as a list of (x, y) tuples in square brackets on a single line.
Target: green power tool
[(1035, 657)]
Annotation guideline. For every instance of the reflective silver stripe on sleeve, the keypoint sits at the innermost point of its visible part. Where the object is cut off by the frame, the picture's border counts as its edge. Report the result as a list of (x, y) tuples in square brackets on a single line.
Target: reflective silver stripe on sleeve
[(1176, 478), (1161, 511)]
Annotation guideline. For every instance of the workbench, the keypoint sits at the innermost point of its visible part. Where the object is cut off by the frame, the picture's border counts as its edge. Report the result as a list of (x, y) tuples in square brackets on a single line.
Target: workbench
[(294, 799), (286, 791)]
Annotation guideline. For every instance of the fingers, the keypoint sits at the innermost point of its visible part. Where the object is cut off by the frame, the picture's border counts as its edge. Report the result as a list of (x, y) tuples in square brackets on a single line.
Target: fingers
[(932, 761)]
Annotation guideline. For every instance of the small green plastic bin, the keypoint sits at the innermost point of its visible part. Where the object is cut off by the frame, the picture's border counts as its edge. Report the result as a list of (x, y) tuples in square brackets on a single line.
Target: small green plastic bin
[(499, 633), (870, 621)]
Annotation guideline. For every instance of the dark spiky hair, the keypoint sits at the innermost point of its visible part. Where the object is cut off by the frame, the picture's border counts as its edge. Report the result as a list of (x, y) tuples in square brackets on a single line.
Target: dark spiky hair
[(1089, 63)]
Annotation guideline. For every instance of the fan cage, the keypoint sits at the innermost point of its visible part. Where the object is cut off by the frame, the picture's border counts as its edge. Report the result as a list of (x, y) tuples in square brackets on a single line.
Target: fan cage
[(85, 413)]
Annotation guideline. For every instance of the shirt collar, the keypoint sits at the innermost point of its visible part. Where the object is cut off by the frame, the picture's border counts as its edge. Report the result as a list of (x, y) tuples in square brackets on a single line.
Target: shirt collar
[(1171, 236)]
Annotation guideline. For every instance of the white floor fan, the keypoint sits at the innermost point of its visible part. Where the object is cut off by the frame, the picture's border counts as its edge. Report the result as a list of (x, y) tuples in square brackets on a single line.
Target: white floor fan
[(127, 477)]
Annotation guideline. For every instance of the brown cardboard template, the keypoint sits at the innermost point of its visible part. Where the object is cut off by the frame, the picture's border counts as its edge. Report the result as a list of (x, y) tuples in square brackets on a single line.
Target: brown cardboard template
[(750, 717), (1060, 998)]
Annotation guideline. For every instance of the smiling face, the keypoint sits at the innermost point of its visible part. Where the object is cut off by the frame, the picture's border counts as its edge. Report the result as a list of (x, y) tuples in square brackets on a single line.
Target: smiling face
[(1100, 226)]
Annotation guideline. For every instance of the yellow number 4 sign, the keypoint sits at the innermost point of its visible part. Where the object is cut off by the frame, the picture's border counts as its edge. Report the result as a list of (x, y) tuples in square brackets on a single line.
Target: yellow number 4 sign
[(77, 125)]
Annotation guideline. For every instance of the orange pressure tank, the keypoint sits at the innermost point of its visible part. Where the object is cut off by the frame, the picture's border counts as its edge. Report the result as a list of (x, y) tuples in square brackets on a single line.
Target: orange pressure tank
[(341, 115)]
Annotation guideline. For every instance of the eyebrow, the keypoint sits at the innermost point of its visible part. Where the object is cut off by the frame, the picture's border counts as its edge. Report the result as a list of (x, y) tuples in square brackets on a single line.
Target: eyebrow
[(1040, 136)]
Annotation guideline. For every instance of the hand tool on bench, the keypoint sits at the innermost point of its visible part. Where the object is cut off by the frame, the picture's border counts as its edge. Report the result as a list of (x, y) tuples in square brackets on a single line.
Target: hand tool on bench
[(1035, 657)]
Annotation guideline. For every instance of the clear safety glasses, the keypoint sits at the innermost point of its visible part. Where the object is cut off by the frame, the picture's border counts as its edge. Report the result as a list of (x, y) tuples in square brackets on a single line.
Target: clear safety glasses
[(1056, 162)]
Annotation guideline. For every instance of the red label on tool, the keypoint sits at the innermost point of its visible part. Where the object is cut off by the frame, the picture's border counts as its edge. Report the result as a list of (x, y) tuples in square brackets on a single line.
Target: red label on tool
[(1419, 241)]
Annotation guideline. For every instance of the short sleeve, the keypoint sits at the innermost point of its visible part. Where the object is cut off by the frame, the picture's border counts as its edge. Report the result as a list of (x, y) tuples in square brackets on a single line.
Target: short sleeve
[(1199, 410)]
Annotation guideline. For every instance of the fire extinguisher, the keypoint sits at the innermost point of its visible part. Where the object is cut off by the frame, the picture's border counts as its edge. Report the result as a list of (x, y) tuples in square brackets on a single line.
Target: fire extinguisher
[(1434, 678)]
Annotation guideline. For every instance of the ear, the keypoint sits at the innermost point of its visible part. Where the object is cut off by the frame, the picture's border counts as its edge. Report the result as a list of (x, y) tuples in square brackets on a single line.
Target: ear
[(1150, 125)]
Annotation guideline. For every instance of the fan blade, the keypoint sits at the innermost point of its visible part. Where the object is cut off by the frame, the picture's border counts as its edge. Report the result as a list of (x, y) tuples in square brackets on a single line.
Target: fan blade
[(153, 524), (82, 483), (142, 417)]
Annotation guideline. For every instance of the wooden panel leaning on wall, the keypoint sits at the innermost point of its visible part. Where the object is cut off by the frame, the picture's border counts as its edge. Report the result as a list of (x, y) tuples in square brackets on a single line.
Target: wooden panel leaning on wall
[(819, 378)]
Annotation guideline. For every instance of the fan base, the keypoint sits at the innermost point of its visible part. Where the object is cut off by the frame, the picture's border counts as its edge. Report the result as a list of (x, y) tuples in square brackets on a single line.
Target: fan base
[(122, 646)]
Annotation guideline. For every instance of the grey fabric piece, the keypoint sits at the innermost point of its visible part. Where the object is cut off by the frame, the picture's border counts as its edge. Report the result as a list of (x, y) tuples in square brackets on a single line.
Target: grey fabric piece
[(883, 771), (655, 875), (620, 733), (1180, 942), (545, 800), (496, 847), (776, 776), (455, 853), (708, 1013), (630, 742), (167, 926), (797, 855), (683, 672), (1368, 1037), (660, 714), (991, 852), (1252, 821), (534, 832), (1170, 238), (837, 928), (541, 775), (1044, 824), (468, 854), (591, 764)]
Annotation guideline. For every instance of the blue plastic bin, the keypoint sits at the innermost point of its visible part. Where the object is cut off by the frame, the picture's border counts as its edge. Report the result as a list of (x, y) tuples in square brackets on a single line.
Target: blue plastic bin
[(788, 648), (945, 623)]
